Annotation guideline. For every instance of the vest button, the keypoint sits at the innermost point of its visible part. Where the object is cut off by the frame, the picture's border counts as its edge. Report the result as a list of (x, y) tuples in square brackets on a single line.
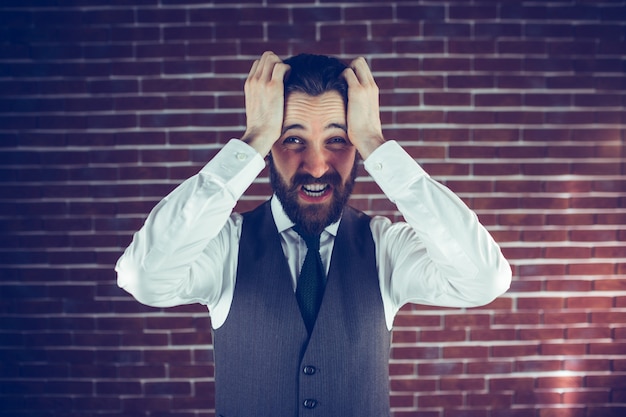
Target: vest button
[(309, 403), (309, 370)]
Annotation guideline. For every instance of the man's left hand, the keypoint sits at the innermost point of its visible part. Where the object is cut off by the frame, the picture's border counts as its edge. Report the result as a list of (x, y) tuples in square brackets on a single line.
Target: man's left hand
[(363, 115)]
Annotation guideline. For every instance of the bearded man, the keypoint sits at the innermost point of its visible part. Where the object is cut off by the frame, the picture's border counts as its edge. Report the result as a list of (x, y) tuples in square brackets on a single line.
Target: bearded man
[(303, 290)]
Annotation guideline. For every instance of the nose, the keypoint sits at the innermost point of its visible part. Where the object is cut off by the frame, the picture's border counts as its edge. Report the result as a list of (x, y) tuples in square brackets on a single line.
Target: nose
[(315, 162)]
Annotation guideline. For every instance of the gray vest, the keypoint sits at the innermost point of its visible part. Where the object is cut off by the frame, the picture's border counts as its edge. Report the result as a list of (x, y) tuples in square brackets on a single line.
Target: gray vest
[(265, 362)]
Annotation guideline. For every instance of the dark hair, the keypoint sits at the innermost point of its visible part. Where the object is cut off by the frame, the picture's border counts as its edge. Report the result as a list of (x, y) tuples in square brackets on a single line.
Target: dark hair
[(315, 75)]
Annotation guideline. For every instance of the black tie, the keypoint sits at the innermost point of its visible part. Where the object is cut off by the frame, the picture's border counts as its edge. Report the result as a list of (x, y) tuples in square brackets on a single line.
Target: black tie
[(312, 280)]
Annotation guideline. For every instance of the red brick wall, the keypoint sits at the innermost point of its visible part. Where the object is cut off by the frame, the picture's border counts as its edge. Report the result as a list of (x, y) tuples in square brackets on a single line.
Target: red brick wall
[(518, 106)]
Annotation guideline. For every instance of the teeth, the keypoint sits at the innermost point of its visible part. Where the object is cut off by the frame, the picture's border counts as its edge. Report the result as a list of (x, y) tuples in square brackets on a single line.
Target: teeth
[(314, 189)]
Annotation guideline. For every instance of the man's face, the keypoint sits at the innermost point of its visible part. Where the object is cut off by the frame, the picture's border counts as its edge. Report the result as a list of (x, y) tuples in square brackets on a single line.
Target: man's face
[(312, 164)]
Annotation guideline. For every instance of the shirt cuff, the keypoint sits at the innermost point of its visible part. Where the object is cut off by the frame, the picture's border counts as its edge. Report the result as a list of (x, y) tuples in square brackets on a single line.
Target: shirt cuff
[(235, 166), (393, 168)]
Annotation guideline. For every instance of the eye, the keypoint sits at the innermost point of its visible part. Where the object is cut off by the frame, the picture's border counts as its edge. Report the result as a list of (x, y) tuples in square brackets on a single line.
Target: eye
[(338, 142), (293, 143), (292, 140), (337, 139)]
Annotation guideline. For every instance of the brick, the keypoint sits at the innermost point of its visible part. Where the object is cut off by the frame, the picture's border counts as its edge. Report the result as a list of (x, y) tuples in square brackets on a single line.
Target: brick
[(392, 30), (316, 14), (611, 218), (419, 117), (360, 47), (461, 384), (585, 365), (591, 269), (534, 366), (464, 320), (285, 31), (608, 317), (608, 411), (490, 400), (521, 46), (544, 235), (442, 336), (471, 151), (600, 348), (440, 368), (489, 367), (465, 352), (439, 400), (492, 334), (412, 385), (142, 404), (164, 15), (568, 252), (498, 100), (445, 64), (468, 187), (542, 333), (588, 333), (420, 12), (520, 117), (548, 204), (401, 401), (568, 82), (569, 285), (404, 336), (562, 412), (578, 219), (547, 303), (343, 31), (510, 383), (517, 412), (609, 381), (118, 388), (191, 371), (548, 100), (462, 46), (470, 81), (497, 30), (170, 355), (574, 186), (563, 318), (415, 353), (596, 168), (522, 219), (167, 388)]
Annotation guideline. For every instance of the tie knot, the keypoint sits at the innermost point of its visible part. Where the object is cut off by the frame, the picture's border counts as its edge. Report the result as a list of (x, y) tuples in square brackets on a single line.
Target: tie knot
[(312, 241)]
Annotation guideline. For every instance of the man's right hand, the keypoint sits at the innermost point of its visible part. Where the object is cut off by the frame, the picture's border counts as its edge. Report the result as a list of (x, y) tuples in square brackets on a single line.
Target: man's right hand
[(264, 92)]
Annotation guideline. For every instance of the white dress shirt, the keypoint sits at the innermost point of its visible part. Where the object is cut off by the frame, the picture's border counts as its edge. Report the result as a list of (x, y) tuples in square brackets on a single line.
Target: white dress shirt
[(187, 250)]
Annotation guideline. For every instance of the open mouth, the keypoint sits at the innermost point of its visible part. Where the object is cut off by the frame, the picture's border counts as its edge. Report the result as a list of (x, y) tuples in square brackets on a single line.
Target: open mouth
[(315, 192)]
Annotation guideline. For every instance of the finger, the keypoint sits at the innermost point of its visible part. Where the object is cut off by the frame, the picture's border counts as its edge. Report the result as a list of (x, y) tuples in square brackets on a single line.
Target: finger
[(362, 71), (280, 71), (350, 77), (256, 71), (253, 69), (268, 61)]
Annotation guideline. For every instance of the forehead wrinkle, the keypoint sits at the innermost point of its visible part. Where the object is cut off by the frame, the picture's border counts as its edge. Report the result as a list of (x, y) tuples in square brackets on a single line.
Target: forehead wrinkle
[(330, 126), (303, 111)]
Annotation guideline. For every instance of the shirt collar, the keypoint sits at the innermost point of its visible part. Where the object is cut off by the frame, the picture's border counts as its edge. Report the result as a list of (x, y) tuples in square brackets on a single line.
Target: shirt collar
[(283, 222)]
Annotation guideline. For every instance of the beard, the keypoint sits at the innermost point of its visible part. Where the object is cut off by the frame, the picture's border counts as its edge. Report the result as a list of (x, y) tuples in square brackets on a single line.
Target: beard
[(312, 218)]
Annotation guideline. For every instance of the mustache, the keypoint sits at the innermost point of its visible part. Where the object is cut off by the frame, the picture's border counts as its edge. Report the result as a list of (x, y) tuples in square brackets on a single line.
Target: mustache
[(299, 179)]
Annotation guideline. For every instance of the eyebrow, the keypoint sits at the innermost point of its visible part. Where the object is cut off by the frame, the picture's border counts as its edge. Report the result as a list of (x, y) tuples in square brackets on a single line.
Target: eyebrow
[(298, 126)]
